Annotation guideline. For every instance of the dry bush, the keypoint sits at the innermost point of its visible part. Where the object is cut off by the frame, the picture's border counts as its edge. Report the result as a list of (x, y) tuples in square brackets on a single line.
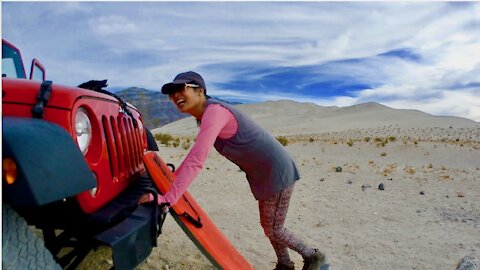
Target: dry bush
[(163, 138), (283, 140), (391, 168), (410, 170)]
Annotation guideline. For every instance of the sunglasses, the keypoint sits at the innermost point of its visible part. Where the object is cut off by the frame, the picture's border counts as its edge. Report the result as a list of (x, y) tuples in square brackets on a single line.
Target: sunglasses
[(191, 85), (182, 87)]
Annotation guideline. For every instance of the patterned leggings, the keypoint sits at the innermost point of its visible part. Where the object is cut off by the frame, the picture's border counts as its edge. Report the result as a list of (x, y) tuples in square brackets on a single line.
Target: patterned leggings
[(273, 212)]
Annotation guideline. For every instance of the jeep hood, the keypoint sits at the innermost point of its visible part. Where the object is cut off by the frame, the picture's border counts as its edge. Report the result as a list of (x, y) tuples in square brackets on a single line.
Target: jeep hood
[(24, 92)]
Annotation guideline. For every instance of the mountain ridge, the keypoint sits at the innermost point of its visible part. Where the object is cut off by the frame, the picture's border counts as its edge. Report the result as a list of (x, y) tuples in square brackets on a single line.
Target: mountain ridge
[(156, 108)]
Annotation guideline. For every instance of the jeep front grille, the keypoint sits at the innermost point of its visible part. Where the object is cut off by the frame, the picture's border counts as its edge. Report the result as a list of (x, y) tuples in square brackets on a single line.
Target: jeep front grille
[(123, 146)]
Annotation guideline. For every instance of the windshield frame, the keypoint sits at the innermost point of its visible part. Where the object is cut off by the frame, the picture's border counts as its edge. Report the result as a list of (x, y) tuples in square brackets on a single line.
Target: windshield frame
[(11, 52)]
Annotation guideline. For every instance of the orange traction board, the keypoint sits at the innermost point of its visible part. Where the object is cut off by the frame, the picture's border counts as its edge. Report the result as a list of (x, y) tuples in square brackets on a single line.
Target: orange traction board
[(194, 221)]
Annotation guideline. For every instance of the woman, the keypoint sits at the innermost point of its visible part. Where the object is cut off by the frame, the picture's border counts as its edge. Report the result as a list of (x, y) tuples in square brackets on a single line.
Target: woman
[(269, 168)]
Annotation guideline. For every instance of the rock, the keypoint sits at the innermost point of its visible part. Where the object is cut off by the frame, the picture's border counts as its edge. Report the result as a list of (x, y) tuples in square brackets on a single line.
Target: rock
[(468, 263), (364, 187), (381, 186), (460, 194), (349, 182), (422, 192)]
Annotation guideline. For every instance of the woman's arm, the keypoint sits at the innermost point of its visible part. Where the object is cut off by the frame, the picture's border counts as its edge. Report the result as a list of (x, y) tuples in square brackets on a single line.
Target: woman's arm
[(215, 120)]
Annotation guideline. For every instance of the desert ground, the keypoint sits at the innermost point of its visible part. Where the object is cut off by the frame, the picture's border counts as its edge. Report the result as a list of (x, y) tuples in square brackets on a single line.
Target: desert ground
[(380, 188)]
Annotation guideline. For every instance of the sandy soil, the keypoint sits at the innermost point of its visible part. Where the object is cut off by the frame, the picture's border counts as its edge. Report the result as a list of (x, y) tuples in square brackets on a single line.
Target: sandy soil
[(427, 216)]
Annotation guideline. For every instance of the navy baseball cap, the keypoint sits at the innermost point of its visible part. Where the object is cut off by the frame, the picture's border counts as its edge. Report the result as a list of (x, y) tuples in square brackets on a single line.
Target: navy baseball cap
[(181, 79)]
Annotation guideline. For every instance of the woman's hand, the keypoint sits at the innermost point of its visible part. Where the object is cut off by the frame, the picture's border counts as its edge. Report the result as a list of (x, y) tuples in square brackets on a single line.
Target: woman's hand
[(164, 208), (147, 197)]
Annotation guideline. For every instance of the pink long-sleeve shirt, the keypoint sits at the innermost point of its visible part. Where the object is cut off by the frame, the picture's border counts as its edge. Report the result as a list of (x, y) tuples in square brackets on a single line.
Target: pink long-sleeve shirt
[(217, 121)]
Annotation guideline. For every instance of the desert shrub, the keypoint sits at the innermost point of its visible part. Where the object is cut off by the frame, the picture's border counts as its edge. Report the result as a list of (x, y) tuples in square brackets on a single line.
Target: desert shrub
[(391, 168), (350, 143), (283, 140), (367, 139), (392, 138), (186, 144), (381, 142), (163, 138), (410, 170), (383, 154), (176, 142)]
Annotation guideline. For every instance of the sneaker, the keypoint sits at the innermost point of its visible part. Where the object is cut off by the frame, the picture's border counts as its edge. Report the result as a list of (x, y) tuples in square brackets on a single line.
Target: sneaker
[(282, 266), (314, 262)]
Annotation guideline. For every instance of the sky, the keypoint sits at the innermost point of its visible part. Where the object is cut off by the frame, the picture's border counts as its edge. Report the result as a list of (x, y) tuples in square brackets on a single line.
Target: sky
[(405, 55)]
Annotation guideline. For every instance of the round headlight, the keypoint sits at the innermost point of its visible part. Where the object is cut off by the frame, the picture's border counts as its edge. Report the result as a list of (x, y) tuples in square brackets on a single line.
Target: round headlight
[(83, 128)]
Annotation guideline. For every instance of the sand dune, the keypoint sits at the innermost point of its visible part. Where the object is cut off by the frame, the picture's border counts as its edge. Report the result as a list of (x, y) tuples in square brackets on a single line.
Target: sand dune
[(292, 118)]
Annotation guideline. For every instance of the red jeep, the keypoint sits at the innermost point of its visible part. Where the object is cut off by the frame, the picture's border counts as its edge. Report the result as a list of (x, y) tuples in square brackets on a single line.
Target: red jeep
[(72, 167)]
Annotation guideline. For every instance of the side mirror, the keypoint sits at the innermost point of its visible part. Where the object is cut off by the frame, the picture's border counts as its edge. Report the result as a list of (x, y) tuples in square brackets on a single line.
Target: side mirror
[(37, 71)]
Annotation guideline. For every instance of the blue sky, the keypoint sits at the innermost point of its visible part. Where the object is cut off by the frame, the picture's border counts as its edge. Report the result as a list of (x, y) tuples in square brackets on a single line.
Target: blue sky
[(406, 55)]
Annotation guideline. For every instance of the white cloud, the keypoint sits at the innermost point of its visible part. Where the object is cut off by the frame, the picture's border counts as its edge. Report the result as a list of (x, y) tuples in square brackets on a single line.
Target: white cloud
[(459, 103), (66, 8), (112, 25)]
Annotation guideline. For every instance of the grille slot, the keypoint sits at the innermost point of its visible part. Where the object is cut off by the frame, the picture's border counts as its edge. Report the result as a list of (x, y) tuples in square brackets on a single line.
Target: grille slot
[(135, 143), (118, 145), (111, 149), (131, 147), (123, 138)]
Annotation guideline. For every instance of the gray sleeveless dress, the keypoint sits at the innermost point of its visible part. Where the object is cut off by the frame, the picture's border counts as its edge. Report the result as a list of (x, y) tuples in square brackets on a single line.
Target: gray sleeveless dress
[(268, 166)]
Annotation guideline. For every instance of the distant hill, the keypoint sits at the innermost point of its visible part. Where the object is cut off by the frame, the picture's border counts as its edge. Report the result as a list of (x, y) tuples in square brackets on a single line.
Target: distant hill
[(156, 109)]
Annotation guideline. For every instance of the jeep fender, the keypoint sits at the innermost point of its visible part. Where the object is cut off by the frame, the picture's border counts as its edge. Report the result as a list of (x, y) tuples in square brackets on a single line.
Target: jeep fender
[(49, 163)]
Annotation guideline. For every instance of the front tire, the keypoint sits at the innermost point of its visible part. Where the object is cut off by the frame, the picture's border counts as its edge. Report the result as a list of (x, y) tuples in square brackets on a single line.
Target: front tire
[(21, 248)]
